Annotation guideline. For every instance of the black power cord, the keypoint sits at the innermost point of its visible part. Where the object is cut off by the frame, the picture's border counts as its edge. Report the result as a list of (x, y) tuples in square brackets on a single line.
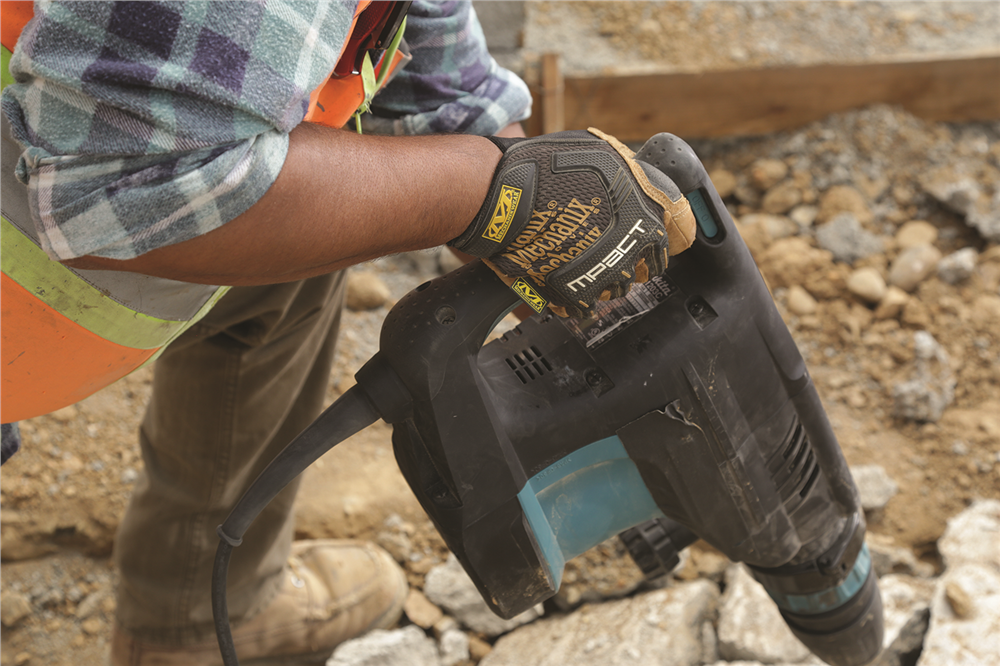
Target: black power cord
[(351, 413)]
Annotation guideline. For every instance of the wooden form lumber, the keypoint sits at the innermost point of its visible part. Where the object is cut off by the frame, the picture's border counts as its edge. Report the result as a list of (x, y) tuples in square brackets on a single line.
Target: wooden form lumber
[(757, 101)]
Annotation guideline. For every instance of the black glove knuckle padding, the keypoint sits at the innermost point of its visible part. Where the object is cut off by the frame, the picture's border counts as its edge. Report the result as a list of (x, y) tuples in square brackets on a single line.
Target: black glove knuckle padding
[(579, 222)]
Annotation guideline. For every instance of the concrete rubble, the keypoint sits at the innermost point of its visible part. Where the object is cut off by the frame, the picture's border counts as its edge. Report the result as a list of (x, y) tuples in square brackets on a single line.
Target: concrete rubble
[(906, 611), (750, 625), (689, 623), (450, 588), (408, 646), (932, 388), (645, 629), (875, 486), (965, 611)]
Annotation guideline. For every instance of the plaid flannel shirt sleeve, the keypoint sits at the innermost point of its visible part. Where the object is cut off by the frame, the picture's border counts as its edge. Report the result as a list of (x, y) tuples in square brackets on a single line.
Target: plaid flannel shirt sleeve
[(146, 124), (452, 84)]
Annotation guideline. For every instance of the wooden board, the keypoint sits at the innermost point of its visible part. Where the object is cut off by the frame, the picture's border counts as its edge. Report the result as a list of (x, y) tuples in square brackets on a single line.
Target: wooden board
[(758, 101)]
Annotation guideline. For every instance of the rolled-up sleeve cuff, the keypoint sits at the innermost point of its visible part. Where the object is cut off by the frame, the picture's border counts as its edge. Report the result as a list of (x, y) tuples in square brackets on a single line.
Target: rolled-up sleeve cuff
[(121, 207)]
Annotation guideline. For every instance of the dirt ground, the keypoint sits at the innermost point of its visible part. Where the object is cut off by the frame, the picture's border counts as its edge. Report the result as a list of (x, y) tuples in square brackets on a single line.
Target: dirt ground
[(63, 495)]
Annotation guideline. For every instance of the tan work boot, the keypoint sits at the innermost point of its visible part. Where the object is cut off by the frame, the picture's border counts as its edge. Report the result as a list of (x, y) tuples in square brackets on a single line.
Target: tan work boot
[(333, 591)]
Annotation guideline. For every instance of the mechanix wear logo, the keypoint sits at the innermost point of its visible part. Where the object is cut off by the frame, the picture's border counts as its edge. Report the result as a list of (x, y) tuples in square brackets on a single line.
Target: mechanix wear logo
[(503, 214), (529, 295), (553, 237)]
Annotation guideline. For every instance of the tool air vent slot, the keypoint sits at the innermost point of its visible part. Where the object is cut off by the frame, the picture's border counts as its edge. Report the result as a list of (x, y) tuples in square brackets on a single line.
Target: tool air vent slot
[(529, 364), (795, 470)]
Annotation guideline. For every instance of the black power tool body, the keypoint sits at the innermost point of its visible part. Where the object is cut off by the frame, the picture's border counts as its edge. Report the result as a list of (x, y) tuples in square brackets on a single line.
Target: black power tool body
[(683, 410)]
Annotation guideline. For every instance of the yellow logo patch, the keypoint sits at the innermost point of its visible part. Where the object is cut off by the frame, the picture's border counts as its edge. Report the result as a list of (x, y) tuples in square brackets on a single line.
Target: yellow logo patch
[(529, 295), (503, 214)]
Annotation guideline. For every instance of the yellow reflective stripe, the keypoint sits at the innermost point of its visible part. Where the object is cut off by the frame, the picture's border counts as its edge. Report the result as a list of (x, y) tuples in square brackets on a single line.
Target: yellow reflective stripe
[(209, 304), (61, 289), (6, 78)]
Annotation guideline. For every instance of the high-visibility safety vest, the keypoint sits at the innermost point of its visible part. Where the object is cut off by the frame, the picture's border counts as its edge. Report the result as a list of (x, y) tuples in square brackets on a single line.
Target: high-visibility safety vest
[(67, 333)]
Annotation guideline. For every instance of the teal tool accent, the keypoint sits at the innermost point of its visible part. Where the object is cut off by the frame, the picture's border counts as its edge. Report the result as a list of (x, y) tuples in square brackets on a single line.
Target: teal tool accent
[(827, 600), (702, 214), (582, 499)]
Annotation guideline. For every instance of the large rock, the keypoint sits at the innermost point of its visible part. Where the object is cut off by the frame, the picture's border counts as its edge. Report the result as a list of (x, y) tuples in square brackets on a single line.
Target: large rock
[(816, 661), (905, 612), (875, 486), (867, 284), (958, 266), (402, 647), (841, 199), (750, 625), (913, 266), (890, 558), (965, 611), (366, 291), (661, 627), (963, 193), (932, 388), (973, 536), (847, 239), (450, 588)]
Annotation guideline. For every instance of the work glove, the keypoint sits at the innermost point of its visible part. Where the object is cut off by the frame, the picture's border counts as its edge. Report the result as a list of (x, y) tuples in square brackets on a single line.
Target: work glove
[(571, 218)]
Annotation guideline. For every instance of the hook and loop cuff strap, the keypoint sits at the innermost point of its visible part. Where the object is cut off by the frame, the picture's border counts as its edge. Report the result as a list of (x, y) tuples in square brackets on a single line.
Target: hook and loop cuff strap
[(507, 207)]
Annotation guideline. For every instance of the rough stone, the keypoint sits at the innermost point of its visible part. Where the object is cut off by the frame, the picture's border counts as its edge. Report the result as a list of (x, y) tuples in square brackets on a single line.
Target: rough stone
[(66, 414), (91, 604), (875, 486), (777, 226), (958, 598), (914, 233), (845, 238), (867, 284), (960, 622), (913, 266), (454, 647), (964, 639), (804, 216), (973, 536), (767, 172), (14, 607), (781, 198), (932, 388), (958, 266), (420, 610), (636, 630), (843, 199), (449, 587), (961, 193), (724, 181), (365, 291), (408, 646), (478, 648), (800, 301), (892, 303), (750, 625), (742, 662), (905, 612), (890, 558)]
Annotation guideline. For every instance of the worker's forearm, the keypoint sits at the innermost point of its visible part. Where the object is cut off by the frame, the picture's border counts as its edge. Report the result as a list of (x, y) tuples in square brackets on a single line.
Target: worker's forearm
[(340, 199)]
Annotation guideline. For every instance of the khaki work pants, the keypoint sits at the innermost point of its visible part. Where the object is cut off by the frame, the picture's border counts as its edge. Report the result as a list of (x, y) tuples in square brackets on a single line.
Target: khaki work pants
[(228, 395)]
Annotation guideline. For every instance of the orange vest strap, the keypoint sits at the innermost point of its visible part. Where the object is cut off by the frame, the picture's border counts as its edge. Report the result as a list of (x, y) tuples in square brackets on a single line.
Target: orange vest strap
[(333, 103), (14, 15), (53, 361)]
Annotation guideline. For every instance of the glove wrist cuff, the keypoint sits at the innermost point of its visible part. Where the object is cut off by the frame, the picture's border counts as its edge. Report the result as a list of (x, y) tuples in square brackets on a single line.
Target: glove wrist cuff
[(500, 218)]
